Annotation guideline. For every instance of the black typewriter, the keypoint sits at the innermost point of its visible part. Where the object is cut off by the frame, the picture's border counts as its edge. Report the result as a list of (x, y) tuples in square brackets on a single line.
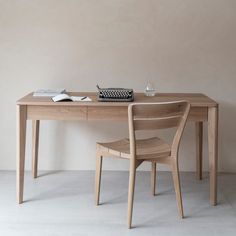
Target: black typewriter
[(115, 94)]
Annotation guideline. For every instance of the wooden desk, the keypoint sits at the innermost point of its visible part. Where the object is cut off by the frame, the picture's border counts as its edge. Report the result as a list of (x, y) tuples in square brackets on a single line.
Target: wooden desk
[(203, 109)]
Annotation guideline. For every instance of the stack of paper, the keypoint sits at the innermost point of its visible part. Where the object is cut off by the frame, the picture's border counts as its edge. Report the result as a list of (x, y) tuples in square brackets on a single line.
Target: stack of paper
[(48, 92)]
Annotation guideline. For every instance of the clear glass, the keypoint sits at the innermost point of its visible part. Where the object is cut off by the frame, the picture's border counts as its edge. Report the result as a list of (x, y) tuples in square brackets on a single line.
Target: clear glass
[(150, 90)]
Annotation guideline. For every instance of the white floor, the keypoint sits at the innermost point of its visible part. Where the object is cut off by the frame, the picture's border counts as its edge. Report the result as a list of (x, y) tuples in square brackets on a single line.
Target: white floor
[(62, 203)]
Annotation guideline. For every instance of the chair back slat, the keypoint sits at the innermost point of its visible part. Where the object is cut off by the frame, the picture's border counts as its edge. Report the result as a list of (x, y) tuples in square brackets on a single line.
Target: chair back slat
[(153, 116), (158, 110), (157, 123)]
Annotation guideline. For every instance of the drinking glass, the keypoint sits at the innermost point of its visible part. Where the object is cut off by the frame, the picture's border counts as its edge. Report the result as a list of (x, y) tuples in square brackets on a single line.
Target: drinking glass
[(150, 90)]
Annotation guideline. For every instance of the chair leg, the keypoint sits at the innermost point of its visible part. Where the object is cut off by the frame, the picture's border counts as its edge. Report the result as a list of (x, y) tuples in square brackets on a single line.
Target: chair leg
[(35, 147), (175, 174), (98, 178), (132, 173), (199, 149), (153, 178)]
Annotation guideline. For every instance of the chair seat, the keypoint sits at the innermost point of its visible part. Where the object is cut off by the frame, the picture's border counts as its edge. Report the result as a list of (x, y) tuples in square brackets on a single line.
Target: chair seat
[(146, 148)]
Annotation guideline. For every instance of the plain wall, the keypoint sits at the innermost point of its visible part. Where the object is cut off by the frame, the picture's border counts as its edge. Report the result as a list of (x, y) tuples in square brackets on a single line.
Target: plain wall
[(181, 45)]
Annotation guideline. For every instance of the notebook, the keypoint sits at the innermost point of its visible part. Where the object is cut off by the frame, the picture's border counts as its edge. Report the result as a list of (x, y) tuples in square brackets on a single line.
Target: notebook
[(66, 98)]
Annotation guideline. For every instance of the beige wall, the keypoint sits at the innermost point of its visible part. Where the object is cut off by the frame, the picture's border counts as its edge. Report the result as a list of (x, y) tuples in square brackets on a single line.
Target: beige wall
[(182, 45)]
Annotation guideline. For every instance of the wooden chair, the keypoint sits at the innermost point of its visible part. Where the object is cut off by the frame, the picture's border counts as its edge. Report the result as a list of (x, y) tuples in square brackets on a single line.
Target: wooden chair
[(147, 116)]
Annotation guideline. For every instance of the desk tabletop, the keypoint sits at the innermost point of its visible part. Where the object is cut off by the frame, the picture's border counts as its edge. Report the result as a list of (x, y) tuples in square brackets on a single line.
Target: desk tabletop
[(195, 99)]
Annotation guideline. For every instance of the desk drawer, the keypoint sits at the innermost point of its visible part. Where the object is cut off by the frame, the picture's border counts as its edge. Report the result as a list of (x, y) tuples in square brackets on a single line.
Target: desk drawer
[(107, 113), (56, 113)]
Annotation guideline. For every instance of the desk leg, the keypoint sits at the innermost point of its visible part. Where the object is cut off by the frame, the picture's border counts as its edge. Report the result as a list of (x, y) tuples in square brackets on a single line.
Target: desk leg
[(20, 156), (35, 147), (213, 151), (199, 145)]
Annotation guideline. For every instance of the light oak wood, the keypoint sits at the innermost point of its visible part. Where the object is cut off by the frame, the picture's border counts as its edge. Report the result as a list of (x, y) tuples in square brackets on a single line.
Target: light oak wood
[(199, 149), (198, 114), (98, 177), (176, 180), (151, 149), (197, 100), (151, 124), (175, 109), (213, 151), (43, 108), (132, 175), (68, 112), (107, 112), (153, 178), (120, 113), (20, 155), (35, 147), (146, 148)]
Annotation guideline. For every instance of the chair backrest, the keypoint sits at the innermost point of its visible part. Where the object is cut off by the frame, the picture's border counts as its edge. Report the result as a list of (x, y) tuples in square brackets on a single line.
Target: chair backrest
[(153, 116)]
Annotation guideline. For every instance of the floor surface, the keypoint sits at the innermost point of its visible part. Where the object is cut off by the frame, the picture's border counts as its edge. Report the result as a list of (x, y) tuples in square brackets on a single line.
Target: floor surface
[(62, 203)]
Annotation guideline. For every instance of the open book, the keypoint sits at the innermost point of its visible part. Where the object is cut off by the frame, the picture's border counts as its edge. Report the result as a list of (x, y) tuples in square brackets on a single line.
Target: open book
[(66, 98)]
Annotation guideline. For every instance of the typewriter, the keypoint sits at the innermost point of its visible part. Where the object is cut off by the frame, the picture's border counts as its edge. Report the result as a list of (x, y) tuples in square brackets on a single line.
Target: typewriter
[(115, 94)]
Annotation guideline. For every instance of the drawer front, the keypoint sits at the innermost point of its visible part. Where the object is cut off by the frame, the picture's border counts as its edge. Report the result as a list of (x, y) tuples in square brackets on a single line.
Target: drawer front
[(56, 113), (108, 113), (95, 113)]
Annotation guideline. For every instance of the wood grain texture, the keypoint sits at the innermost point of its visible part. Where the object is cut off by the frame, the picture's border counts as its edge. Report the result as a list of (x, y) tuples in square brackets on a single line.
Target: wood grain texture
[(213, 151), (39, 108), (195, 99), (98, 177), (198, 114), (152, 124), (176, 180), (199, 149), (154, 150), (145, 148), (107, 113), (153, 178), (20, 151), (35, 147), (41, 112), (43, 108), (132, 177)]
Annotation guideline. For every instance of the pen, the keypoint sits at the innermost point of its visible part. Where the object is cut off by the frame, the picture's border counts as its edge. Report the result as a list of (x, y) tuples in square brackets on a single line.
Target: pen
[(83, 98)]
